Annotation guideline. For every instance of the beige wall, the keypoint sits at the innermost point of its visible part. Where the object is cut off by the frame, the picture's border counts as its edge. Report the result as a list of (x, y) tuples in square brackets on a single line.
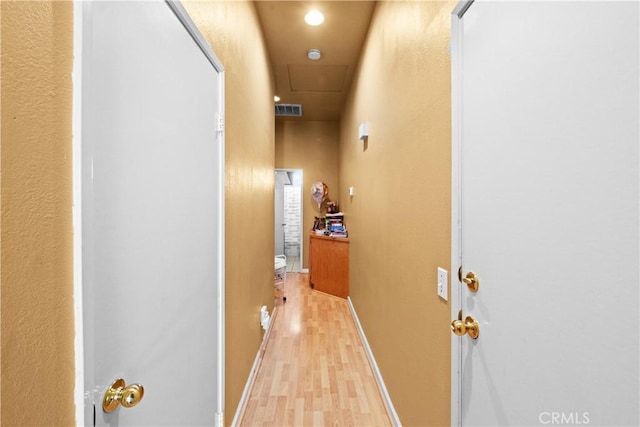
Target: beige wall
[(399, 218), (38, 371), (314, 148), (233, 31)]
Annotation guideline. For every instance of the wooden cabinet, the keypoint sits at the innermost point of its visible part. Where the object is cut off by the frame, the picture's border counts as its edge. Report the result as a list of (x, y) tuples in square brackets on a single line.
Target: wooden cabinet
[(329, 265)]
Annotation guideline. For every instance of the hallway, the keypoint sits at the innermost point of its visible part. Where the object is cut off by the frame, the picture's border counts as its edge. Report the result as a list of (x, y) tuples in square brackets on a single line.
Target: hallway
[(314, 369)]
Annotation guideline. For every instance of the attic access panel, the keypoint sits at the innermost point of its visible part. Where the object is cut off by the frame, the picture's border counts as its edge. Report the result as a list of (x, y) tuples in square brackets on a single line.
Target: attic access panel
[(317, 78)]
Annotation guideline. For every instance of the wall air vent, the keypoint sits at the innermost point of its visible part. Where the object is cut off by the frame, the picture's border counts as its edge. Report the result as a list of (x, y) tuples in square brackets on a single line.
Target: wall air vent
[(289, 110)]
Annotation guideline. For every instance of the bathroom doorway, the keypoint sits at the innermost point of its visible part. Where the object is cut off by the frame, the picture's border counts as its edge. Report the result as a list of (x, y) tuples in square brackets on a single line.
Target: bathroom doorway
[(288, 217)]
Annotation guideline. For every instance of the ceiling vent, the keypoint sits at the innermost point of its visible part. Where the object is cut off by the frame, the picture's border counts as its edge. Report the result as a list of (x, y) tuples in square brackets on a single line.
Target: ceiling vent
[(289, 110)]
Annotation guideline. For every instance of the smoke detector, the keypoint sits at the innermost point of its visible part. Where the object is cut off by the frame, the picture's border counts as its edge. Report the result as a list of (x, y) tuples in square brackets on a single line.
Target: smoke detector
[(314, 54)]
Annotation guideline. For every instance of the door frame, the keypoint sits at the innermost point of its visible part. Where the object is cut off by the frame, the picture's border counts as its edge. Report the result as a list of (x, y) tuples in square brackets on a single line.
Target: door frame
[(456, 200), (301, 209), (80, 394)]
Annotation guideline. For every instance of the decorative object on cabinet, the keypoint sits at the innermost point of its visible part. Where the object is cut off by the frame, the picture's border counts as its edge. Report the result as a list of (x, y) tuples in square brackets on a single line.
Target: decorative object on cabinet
[(318, 223), (334, 223), (319, 191)]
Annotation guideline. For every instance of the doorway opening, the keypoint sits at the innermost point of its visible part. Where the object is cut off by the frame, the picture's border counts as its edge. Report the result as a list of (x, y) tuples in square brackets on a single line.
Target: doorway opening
[(288, 217)]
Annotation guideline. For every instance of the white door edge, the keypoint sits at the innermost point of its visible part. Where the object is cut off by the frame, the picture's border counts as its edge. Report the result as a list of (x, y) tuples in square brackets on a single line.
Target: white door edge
[(455, 217), (185, 19), (182, 15), (76, 146), (191, 28), (456, 141)]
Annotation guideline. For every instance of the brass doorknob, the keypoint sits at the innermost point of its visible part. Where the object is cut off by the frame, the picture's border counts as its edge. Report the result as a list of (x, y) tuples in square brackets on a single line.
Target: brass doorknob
[(119, 394), (458, 327), (472, 282), (469, 326)]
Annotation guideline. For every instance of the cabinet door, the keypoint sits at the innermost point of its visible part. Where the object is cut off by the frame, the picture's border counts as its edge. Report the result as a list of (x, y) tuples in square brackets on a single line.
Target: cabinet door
[(337, 264), (312, 260), (330, 266)]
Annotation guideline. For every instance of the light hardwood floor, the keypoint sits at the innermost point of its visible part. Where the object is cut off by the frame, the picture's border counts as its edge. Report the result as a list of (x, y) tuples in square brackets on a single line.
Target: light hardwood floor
[(314, 371)]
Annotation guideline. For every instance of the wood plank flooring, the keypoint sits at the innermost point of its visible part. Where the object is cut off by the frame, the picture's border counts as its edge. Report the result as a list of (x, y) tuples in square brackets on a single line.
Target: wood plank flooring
[(314, 371)]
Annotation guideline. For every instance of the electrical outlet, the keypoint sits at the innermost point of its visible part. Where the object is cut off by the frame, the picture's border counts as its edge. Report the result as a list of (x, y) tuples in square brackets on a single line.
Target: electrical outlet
[(443, 284)]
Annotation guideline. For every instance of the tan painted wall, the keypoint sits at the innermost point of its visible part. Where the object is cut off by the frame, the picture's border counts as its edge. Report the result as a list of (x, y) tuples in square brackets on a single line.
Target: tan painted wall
[(314, 148), (233, 31), (399, 218), (38, 371)]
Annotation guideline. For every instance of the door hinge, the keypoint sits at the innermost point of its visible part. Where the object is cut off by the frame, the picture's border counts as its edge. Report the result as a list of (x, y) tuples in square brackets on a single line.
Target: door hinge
[(219, 118)]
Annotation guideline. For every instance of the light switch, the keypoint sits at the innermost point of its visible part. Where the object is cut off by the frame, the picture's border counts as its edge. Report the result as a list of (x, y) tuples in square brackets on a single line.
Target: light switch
[(443, 284)]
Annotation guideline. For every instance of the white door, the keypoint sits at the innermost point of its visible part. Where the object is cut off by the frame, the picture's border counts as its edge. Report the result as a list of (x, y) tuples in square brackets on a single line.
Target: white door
[(152, 214), (546, 194)]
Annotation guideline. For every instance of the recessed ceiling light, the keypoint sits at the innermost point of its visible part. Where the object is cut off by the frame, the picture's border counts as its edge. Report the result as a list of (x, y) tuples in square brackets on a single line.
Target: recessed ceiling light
[(314, 18), (276, 98), (314, 54)]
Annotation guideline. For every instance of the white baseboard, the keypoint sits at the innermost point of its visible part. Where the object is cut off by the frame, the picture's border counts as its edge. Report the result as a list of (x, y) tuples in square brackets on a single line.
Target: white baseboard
[(376, 372), (304, 270), (242, 405)]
